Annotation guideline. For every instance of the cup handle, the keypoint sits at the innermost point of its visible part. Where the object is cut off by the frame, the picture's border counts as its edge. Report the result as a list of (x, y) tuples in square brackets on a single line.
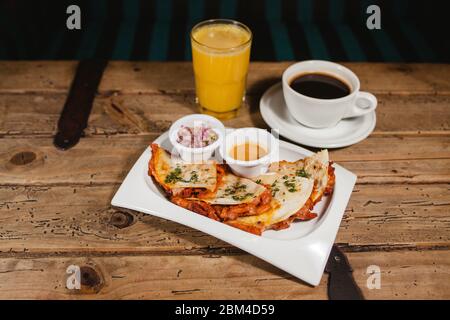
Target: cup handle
[(365, 102)]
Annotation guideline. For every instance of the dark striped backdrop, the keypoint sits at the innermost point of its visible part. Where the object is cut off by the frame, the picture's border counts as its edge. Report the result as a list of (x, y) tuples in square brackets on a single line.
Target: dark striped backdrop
[(412, 31)]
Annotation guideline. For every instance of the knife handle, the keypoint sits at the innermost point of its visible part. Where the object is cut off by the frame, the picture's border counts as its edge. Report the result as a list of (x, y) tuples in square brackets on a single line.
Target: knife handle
[(342, 286), (75, 114)]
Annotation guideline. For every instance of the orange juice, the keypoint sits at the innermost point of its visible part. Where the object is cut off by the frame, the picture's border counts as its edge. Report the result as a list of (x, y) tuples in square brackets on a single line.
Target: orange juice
[(220, 54)]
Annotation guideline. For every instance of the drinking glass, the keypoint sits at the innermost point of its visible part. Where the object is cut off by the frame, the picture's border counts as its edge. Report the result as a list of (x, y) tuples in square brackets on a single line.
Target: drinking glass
[(220, 56)]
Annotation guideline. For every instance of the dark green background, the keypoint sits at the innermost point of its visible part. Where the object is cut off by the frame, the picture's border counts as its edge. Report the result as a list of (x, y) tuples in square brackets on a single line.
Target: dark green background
[(412, 31)]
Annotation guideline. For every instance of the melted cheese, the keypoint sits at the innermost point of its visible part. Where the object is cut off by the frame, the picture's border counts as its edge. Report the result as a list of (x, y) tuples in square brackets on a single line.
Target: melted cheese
[(315, 167), (290, 192), (174, 174), (264, 219), (292, 184), (236, 190)]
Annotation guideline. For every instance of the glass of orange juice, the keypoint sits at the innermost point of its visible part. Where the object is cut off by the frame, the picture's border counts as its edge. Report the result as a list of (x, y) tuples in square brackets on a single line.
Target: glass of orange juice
[(220, 56)]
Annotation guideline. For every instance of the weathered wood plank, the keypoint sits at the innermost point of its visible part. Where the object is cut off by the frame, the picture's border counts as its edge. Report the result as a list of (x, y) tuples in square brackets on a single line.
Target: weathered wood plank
[(136, 114), (404, 275), (156, 77), (377, 78), (55, 211), (99, 160), (36, 76), (80, 219)]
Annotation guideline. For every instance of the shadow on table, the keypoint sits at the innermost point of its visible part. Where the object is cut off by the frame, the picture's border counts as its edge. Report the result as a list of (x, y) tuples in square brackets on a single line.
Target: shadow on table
[(201, 245), (254, 94), (248, 113)]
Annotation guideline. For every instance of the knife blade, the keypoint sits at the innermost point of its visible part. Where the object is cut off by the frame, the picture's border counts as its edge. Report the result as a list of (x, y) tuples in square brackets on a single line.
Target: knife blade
[(75, 114), (341, 284)]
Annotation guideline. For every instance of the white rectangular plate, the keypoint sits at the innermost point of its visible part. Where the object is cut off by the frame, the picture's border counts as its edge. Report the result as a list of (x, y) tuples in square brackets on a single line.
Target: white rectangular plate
[(301, 250)]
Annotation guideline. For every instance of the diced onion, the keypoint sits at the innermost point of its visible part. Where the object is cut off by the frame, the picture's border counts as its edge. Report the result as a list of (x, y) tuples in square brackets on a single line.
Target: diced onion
[(196, 136)]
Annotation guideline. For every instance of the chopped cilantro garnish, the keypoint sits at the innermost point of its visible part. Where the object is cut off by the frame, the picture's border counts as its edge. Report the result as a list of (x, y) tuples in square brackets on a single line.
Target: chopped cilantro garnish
[(173, 176), (274, 188), (274, 191), (302, 173), (242, 197), (194, 176), (235, 188), (290, 184)]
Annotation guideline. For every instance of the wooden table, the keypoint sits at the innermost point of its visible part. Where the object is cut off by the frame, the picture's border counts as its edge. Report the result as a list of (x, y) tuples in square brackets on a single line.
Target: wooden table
[(55, 206)]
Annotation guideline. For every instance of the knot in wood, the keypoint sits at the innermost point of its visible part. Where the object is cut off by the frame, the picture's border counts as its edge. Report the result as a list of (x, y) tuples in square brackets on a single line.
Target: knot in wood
[(121, 219), (90, 278), (23, 158)]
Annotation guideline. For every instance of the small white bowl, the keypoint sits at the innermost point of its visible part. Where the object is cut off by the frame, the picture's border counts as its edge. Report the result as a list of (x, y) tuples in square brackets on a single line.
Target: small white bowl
[(202, 154), (254, 168)]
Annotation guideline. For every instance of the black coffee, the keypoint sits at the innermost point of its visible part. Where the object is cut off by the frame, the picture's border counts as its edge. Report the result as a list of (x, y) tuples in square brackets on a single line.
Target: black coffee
[(320, 86)]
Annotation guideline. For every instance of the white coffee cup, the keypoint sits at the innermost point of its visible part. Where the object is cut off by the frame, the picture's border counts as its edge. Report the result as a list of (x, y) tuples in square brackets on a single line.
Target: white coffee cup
[(322, 113)]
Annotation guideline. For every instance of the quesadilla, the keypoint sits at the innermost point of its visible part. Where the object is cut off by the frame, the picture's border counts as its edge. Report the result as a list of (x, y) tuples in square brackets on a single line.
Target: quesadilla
[(234, 197), (208, 189), (296, 187), (290, 195), (233, 190), (287, 192), (182, 179), (316, 167)]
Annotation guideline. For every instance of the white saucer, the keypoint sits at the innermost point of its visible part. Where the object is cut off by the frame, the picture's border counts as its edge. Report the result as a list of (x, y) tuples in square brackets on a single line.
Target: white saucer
[(347, 132)]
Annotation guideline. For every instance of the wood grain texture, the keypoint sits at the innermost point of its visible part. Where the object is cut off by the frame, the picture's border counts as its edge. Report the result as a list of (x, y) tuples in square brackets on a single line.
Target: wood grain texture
[(100, 160), (404, 275), (80, 219), (36, 76), (37, 114), (55, 206), (156, 77)]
